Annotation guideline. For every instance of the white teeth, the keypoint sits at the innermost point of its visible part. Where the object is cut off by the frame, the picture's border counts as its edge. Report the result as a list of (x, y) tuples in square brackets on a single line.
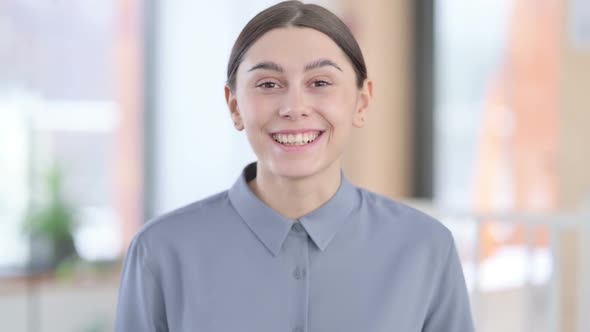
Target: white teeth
[(298, 139)]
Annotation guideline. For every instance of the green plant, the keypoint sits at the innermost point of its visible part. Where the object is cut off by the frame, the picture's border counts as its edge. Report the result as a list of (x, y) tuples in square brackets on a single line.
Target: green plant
[(52, 219), (99, 324)]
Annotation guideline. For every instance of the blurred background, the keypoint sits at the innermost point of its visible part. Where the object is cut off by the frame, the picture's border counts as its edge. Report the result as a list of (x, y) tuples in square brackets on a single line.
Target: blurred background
[(112, 112)]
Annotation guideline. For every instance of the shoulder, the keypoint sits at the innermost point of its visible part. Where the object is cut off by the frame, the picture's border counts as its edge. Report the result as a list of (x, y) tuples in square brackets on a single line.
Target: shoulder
[(185, 219), (404, 221)]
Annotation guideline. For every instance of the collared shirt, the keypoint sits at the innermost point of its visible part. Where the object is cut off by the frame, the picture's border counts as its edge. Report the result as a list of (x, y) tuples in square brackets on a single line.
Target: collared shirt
[(360, 262)]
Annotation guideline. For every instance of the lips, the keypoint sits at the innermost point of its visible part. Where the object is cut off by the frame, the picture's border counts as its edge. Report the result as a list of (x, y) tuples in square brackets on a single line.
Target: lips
[(296, 140)]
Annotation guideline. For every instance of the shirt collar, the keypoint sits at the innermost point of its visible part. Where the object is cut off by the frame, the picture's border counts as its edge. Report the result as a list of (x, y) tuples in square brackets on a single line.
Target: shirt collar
[(272, 228)]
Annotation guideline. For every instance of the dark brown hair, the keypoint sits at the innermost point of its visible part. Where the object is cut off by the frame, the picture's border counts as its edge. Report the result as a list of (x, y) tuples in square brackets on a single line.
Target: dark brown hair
[(297, 14)]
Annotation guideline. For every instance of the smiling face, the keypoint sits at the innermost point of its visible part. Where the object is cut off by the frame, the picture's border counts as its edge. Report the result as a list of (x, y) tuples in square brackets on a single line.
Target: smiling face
[(297, 98)]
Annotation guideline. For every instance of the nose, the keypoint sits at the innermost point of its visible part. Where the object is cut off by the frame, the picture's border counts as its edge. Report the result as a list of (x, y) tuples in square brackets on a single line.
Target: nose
[(294, 105)]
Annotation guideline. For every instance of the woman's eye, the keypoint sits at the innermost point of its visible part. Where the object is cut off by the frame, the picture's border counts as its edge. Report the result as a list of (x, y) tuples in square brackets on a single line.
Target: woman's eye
[(268, 85), (320, 83)]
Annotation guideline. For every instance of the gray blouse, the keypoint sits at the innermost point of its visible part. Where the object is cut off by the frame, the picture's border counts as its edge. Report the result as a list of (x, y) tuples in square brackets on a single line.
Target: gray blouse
[(360, 262)]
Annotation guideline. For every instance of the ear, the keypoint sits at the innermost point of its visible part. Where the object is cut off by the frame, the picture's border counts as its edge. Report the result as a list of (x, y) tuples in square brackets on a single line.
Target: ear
[(362, 105), (232, 104)]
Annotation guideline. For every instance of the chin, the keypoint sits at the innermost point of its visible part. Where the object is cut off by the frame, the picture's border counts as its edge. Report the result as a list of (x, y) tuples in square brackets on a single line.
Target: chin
[(294, 169), (297, 169)]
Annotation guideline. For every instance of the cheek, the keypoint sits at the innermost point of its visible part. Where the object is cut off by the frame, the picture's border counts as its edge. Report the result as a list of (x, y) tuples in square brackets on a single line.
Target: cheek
[(256, 109), (337, 108)]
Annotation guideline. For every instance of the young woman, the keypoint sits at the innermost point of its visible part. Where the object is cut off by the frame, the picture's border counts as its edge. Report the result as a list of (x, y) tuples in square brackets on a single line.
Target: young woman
[(292, 245)]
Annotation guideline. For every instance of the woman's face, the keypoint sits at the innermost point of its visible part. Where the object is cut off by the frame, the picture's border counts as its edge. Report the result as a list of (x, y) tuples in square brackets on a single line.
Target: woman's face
[(296, 97)]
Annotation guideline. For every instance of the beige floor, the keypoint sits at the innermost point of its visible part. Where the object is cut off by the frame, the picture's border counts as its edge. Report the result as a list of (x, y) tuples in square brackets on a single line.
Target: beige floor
[(61, 309)]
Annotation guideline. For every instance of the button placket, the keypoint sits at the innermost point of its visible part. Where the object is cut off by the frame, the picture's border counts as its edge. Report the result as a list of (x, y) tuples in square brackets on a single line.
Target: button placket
[(299, 274)]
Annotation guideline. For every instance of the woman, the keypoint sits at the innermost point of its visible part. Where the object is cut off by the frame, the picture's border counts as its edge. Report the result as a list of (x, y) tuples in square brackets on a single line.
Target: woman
[(292, 245)]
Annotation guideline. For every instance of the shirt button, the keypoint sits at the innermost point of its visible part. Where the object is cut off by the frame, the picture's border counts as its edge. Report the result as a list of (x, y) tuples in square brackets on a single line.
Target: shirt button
[(298, 329), (298, 228), (298, 273)]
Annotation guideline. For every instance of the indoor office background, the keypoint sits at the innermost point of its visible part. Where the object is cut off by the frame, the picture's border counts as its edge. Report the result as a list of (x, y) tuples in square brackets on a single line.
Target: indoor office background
[(112, 112)]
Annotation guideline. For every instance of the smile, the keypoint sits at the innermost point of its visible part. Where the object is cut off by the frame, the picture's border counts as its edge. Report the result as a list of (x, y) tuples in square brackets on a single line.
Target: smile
[(296, 139)]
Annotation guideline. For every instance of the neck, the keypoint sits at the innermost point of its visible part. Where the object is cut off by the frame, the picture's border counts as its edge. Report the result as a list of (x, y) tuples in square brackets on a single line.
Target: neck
[(296, 197)]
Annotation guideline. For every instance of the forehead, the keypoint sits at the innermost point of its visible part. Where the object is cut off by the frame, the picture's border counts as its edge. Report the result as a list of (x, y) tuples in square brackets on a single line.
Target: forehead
[(293, 47)]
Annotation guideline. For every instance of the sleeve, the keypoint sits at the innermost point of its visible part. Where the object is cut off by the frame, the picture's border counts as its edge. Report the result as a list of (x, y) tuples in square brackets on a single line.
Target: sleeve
[(140, 304), (450, 309)]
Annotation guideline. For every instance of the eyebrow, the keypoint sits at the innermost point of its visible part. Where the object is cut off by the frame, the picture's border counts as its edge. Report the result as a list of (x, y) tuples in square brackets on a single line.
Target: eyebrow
[(321, 63), (269, 65)]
